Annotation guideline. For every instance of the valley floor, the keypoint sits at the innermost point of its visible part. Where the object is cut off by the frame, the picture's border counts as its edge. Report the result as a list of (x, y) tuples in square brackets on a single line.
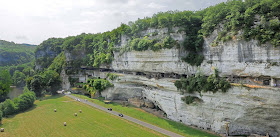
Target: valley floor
[(140, 114), (41, 120)]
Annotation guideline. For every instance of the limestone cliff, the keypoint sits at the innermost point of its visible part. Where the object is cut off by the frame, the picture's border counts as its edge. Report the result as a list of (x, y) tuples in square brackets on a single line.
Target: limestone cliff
[(246, 110), (151, 75)]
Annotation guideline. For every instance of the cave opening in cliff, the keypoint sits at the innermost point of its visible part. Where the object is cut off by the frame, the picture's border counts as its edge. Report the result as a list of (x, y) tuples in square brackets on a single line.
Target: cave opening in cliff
[(140, 74), (266, 82)]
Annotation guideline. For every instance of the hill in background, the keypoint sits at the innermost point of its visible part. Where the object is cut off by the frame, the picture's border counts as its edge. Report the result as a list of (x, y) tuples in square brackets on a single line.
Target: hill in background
[(15, 54)]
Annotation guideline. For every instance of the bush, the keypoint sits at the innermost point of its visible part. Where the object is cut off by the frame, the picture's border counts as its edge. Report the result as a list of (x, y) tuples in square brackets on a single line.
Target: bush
[(144, 44), (19, 104), (99, 84), (25, 101), (189, 99), (201, 83), (112, 76), (194, 59), (8, 107), (168, 42), (156, 47)]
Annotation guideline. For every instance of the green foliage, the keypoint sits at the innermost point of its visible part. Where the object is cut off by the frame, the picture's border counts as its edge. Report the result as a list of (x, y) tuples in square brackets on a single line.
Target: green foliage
[(236, 15), (58, 63), (18, 78), (49, 80), (5, 83), (97, 85), (25, 100), (19, 73), (140, 44), (44, 62), (112, 76), (15, 54), (19, 104), (168, 42), (194, 59), (97, 49), (35, 84), (189, 99), (53, 44), (156, 47), (8, 107), (49, 48), (200, 83), (233, 16), (146, 43), (73, 80), (161, 20)]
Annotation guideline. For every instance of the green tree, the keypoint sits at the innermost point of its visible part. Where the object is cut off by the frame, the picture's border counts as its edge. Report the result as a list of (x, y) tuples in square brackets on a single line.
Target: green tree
[(51, 81), (5, 83), (25, 100), (8, 107), (35, 84), (18, 79)]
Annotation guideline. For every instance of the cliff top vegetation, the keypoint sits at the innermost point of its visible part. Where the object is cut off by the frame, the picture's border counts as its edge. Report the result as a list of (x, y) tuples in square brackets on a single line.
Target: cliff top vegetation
[(251, 19)]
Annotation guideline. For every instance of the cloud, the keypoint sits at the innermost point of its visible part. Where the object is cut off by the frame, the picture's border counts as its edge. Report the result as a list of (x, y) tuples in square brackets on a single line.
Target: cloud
[(32, 21), (155, 6), (21, 37)]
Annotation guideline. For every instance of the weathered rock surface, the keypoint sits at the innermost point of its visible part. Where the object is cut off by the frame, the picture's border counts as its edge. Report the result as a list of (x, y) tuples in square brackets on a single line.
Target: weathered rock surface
[(237, 58), (247, 110)]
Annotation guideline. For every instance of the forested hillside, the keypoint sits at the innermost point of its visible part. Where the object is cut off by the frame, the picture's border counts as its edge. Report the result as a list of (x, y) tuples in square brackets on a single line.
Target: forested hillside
[(252, 19), (15, 59), (15, 54)]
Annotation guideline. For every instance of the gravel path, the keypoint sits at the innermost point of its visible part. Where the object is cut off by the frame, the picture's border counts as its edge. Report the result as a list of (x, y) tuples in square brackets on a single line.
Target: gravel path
[(150, 126)]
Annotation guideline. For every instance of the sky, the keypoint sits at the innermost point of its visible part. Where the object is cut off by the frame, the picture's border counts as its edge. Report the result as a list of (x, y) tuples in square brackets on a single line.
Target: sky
[(33, 21)]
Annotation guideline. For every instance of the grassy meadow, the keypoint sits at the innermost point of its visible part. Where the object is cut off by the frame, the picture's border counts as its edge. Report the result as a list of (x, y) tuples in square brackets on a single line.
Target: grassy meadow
[(42, 121), (152, 119)]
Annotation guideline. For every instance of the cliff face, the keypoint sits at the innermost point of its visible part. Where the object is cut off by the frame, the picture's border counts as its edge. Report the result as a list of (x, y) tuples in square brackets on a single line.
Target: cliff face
[(44, 53), (232, 58), (246, 110), (151, 75)]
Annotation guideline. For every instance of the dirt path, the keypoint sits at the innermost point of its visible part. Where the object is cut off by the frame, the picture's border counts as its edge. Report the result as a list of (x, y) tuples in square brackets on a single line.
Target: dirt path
[(150, 126)]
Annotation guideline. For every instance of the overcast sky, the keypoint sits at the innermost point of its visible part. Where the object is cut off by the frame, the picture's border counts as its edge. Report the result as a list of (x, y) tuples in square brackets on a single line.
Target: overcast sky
[(32, 21)]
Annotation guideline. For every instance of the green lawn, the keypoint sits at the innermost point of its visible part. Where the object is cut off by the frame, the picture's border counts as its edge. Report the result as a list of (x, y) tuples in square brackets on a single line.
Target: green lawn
[(41, 120), (152, 119)]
